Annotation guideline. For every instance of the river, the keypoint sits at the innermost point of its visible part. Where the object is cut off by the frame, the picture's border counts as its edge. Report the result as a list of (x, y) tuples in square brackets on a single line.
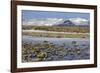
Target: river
[(83, 44)]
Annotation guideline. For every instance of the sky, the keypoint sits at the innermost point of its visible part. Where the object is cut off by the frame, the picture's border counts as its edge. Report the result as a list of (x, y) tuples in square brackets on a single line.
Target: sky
[(32, 14)]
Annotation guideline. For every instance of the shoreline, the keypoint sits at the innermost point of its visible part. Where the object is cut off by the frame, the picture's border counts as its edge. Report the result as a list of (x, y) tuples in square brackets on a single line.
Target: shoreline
[(38, 33), (42, 31)]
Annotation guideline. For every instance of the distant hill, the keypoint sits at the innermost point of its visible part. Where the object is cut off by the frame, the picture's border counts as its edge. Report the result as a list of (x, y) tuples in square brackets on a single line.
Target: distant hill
[(74, 22)]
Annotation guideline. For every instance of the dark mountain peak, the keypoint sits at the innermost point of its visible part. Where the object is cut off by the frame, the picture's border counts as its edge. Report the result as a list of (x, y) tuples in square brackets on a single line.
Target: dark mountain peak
[(66, 23)]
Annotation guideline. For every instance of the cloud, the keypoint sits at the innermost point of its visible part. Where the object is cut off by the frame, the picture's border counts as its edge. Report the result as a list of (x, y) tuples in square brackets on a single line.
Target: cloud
[(79, 21)]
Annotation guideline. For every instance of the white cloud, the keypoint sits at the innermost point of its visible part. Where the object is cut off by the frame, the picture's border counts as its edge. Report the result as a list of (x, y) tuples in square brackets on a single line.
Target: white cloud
[(43, 21), (79, 21)]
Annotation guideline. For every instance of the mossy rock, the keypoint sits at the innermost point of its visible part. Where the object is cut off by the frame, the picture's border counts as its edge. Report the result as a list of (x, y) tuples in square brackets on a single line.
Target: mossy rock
[(78, 51), (41, 55)]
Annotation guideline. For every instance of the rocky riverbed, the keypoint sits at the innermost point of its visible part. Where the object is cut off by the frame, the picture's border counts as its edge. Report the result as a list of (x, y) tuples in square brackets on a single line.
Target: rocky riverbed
[(48, 51)]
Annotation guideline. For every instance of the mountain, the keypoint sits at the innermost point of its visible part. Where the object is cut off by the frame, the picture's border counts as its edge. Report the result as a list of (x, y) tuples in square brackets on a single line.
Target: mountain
[(74, 22), (66, 23), (57, 22)]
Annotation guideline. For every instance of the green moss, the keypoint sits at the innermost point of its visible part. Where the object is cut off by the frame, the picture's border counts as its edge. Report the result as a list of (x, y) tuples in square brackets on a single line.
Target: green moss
[(59, 28)]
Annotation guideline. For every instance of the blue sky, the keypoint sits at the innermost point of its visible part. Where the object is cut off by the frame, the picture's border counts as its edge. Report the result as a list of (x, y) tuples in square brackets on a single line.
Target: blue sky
[(31, 14)]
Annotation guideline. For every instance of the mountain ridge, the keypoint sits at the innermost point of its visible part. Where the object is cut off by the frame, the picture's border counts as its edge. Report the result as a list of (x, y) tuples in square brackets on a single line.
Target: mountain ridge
[(57, 22)]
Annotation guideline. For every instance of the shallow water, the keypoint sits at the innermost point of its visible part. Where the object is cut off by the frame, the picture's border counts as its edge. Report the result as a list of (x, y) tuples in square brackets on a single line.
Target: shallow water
[(83, 44), (80, 41)]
